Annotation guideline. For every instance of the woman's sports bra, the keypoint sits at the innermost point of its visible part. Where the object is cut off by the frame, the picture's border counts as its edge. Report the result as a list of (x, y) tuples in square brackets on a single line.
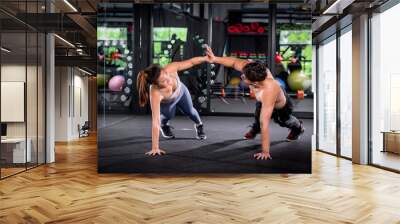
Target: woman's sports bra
[(175, 94)]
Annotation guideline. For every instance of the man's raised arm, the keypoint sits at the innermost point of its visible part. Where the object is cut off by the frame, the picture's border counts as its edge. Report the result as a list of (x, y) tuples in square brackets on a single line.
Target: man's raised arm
[(230, 62)]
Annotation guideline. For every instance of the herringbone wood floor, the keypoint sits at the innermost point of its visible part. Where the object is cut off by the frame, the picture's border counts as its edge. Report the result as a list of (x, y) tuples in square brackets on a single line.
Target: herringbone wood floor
[(71, 191)]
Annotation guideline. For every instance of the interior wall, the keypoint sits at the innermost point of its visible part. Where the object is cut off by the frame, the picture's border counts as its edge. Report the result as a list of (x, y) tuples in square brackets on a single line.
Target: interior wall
[(32, 127), (61, 103), (16, 73), (71, 102), (92, 100), (80, 102)]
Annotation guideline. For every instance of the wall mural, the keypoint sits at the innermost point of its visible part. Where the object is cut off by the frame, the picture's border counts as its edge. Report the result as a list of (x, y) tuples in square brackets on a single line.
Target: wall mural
[(181, 94)]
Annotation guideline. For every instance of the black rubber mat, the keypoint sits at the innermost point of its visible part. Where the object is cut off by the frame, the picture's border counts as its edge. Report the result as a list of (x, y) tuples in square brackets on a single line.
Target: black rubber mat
[(123, 141)]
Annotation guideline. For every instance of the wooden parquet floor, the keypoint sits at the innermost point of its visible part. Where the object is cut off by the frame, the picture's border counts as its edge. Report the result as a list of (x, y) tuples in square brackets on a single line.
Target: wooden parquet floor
[(71, 191)]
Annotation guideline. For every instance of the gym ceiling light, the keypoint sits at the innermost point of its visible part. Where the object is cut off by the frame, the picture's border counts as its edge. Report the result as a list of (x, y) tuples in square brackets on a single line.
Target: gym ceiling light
[(70, 5), (5, 50), (64, 40)]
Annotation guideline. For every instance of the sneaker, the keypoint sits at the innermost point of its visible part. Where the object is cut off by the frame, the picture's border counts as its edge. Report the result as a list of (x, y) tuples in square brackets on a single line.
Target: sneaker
[(200, 131), (166, 131), (251, 134), (294, 134)]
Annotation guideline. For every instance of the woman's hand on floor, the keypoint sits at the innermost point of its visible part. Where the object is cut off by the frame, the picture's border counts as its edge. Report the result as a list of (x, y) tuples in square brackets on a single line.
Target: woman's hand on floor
[(155, 152), (262, 155)]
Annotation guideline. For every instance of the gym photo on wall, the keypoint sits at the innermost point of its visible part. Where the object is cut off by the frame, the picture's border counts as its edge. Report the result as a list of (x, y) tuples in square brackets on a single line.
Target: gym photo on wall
[(204, 88)]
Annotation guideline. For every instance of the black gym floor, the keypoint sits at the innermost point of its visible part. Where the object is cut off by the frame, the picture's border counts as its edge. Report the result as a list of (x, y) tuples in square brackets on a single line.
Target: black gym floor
[(124, 139)]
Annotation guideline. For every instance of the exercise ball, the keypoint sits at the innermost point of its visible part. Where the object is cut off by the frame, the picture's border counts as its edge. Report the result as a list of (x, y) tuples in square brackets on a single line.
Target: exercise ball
[(116, 83), (297, 80), (281, 83), (278, 58), (102, 80)]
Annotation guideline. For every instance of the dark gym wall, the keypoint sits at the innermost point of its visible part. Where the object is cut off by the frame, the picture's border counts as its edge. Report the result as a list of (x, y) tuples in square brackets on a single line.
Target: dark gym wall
[(196, 26), (142, 46), (218, 41)]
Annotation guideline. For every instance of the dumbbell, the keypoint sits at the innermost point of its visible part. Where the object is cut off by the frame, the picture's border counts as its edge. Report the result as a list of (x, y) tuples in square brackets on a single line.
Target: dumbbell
[(201, 99)]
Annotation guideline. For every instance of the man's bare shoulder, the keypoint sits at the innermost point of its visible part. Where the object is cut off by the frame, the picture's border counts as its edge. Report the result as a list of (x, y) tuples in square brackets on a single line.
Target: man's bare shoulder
[(272, 85)]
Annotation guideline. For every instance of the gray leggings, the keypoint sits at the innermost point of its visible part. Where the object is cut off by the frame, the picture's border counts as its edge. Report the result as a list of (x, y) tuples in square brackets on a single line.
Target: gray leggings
[(184, 103)]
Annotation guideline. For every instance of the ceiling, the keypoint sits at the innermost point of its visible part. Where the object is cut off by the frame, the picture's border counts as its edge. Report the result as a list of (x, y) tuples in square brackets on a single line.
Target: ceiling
[(76, 20), (81, 24)]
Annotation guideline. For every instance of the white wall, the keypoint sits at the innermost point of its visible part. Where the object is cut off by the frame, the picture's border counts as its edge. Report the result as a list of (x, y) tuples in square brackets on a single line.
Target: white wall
[(33, 126), (17, 73), (71, 102), (80, 111), (61, 103), (14, 72)]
